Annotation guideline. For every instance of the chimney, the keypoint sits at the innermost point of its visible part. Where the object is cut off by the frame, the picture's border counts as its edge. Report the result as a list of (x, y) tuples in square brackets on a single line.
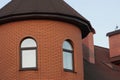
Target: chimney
[(114, 44), (88, 48)]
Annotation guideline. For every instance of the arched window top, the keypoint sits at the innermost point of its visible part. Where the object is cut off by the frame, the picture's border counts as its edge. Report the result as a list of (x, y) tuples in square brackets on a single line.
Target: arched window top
[(67, 45), (28, 42)]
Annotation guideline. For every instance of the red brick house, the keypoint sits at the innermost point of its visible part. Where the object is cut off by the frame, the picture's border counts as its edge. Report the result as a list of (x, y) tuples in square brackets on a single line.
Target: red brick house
[(48, 40), (41, 40)]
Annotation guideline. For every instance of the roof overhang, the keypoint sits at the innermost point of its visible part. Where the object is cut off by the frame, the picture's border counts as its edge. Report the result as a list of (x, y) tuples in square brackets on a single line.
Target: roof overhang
[(18, 10), (113, 33), (82, 25)]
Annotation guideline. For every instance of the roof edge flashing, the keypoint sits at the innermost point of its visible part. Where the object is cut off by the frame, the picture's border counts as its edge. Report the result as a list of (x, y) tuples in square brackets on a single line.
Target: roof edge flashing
[(84, 26), (113, 33)]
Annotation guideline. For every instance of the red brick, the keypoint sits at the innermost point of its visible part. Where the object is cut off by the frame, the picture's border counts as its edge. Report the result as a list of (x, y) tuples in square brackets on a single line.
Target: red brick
[(114, 43), (49, 36), (89, 44)]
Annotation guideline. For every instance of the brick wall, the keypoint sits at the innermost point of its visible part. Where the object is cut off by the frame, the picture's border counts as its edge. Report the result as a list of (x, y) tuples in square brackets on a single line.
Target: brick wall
[(88, 48), (49, 36), (114, 43)]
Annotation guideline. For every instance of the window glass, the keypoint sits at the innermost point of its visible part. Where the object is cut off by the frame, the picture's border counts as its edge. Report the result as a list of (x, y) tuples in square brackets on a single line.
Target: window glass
[(67, 45), (28, 58), (67, 55), (67, 60), (28, 43)]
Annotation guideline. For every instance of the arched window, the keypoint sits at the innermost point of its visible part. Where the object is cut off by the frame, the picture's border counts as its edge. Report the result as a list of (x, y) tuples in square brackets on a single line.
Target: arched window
[(28, 53), (67, 55)]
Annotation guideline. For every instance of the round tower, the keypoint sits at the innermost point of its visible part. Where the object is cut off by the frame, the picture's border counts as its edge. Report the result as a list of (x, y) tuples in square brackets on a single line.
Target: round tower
[(41, 40)]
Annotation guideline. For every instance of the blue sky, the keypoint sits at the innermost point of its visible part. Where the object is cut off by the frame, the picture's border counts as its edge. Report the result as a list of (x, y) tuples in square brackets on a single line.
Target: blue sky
[(104, 16), (4, 2)]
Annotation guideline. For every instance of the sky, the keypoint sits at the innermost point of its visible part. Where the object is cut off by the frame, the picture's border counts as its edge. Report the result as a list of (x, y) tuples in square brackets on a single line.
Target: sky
[(104, 16), (4, 2)]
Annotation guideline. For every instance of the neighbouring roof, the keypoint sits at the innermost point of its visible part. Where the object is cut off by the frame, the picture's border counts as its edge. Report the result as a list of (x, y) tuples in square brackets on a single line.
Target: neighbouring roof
[(44, 9), (113, 33), (103, 69), (115, 59)]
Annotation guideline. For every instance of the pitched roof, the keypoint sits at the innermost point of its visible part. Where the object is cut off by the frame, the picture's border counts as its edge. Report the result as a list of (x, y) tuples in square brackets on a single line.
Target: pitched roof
[(44, 9), (99, 72), (102, 69)]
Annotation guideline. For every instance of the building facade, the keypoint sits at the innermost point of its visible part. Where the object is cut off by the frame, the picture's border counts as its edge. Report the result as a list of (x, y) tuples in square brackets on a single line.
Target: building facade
[(114, 43), (49, 40), (41, 40), (48, 64)]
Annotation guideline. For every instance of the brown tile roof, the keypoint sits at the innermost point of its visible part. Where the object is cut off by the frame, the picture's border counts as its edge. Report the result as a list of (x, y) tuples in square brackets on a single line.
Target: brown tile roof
[(101, 54), (103, 69), (44, 9), (115, 59), (99, 72)]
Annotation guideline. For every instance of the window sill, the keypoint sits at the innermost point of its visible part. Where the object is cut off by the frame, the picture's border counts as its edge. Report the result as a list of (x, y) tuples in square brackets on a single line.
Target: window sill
[(28, 69), (68, 70)]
